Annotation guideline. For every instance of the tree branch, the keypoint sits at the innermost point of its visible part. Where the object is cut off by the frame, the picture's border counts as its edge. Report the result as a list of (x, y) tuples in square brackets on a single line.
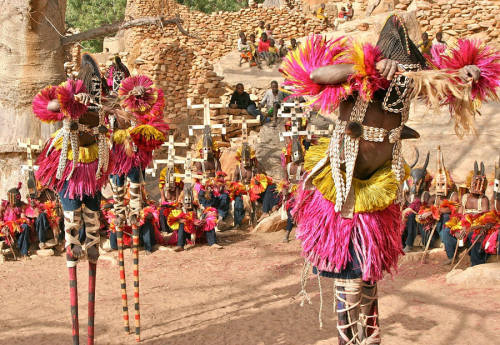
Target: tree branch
[(113, 28)]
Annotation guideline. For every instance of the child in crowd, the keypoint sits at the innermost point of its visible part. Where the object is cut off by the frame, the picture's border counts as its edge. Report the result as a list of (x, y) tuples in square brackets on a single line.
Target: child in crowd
[(244, 49), (263, 48), (269, 32), (273, 52), (260, 30), (282, 48), (253, 50)]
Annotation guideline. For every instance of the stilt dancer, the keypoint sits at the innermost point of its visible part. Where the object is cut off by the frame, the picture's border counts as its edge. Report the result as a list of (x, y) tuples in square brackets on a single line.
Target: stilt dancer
[(77, 103), (136, 133)]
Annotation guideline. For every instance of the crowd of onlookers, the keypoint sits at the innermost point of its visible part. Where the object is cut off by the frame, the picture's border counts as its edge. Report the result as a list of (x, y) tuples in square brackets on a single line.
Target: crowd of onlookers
[(425, 45), (345, 13), (261, 47)]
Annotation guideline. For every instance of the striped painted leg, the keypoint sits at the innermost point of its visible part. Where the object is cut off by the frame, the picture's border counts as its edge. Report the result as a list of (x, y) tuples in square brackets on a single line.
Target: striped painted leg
[(135, 242), (369, 314), (123, 282), (348, 301), (73, 296), (92, 277)]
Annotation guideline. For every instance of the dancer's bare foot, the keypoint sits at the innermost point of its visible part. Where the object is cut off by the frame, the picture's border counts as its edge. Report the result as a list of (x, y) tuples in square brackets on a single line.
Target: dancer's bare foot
[(216, 246), (93, 253), (178, 249), (76, 251)]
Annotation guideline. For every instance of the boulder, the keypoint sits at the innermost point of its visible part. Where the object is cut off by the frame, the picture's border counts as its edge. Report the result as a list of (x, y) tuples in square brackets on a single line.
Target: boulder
[(480, 276), (228, 162), (268, 150), (272, 223), (45, 252), (274, 3)]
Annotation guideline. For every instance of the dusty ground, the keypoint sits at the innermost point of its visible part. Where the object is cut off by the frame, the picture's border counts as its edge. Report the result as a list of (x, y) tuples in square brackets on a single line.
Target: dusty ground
[(241, 295)]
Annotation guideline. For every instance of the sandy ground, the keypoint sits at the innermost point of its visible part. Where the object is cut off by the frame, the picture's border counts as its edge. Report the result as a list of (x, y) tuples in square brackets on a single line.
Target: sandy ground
[(241, 295)]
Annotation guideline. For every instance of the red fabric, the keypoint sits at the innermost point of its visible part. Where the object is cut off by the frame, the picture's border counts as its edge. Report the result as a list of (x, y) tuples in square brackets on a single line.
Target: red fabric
[(263, 46)]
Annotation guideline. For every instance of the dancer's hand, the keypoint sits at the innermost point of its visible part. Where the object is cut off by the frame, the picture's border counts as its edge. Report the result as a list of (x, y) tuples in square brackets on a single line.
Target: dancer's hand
[(83, 98), (470, 73), (387, 68)]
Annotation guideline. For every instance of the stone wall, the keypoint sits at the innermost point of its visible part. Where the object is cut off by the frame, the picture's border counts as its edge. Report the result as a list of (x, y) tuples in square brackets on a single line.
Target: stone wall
[(458, 18), (183, 66)]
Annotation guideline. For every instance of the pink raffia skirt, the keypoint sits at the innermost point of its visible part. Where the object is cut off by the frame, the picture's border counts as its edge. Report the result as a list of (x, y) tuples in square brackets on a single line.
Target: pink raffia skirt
[(83, 182), (326, 236), (124, 162)]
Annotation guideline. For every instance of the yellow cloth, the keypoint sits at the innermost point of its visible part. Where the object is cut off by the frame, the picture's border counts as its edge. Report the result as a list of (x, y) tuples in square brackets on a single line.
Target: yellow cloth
[(88, 154), (425, 48), (320, 13), (273, 50), (374, 194), (259, 32)]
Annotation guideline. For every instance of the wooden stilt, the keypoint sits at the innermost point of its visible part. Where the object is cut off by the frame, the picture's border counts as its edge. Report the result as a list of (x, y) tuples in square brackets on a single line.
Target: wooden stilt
[(135, 252), (91, 306), (123, 282), (73, 294)]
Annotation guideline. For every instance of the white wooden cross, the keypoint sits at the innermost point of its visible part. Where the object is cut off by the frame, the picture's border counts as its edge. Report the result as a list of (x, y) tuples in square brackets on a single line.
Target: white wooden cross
[(321, 132), (30, 167), (188, 174), (29, 149), (171, 158), (294, 117), (244, 125), (206, 106)]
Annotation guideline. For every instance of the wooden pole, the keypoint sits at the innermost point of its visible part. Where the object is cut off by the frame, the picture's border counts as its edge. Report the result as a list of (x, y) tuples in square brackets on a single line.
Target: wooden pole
[(455, 254), (428, 243), (466, 252)]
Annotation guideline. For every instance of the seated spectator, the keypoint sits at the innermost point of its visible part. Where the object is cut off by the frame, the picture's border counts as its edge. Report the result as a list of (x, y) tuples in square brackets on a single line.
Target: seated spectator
[(274, 55), (263, 48), (282, 48), (293, 44), (260, 30), (241, 100), (272, 100), (269, 32), (439, 42), (253, 50), (425, 44), (341, 17), (320, 14), (349, 13), (244, 49)]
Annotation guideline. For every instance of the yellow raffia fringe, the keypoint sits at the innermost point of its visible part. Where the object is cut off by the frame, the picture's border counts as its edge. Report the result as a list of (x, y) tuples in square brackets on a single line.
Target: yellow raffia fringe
[(436, 86), (374, 194), (120, 135), (148, 132), (199, 144), (88, 154), (175, 213), (163, 177), (238, 153)]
